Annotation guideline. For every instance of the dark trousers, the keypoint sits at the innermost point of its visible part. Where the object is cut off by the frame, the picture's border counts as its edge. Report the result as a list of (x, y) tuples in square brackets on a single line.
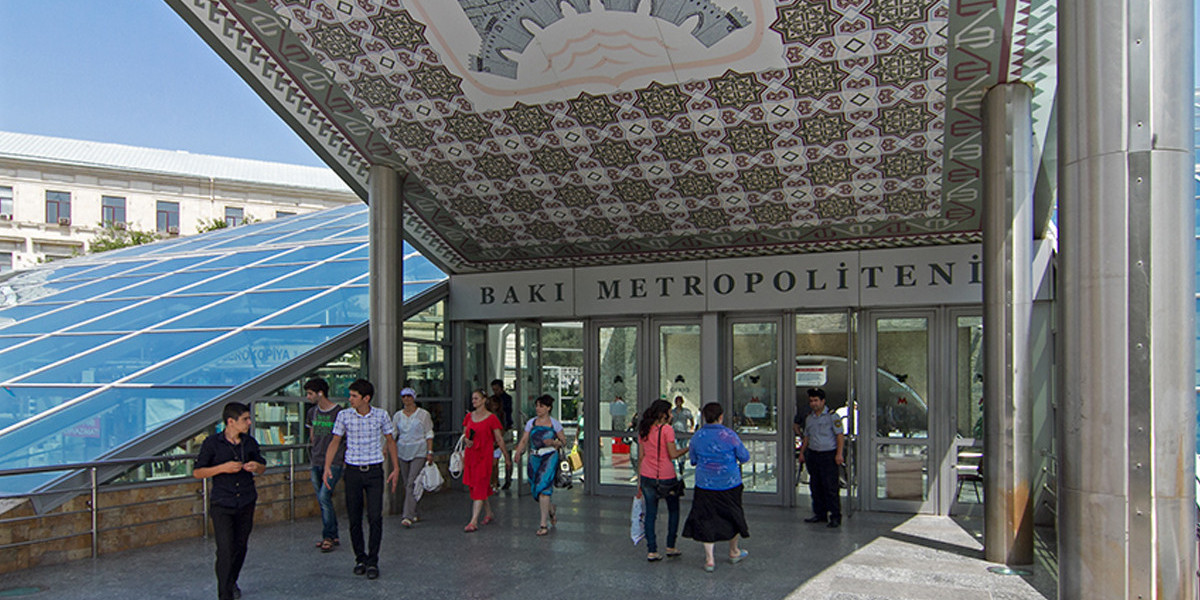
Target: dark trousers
[(823, 484), (650, 497), (365, 486), (231, 528)]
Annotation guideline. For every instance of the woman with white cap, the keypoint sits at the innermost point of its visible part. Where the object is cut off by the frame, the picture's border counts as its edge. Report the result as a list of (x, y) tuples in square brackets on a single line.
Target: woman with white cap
[(414, 441)]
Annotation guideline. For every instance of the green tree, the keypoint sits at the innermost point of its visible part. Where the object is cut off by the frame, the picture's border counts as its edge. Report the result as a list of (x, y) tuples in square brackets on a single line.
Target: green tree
[(217, 223), (112, 238)]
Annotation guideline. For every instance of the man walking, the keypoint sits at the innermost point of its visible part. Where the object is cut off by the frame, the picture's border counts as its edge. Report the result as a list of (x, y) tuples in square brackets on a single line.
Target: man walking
[(363, 427), (320, 420), (821, 450), (231, 457), (506, 421)]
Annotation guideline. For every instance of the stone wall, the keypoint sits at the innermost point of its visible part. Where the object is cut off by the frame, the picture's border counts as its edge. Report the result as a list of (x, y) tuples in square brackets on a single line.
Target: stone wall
[(134, 517)]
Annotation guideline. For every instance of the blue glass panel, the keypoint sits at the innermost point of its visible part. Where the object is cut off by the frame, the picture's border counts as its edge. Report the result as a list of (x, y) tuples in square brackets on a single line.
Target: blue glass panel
[(361, 231), (111, 269), (34, 355), (241, 357), (89, 291), (173, 264), (71, 271), (308, 254), (412, 289), (164, 284), (246, 240), (67, 317), (239, 311), (149, 313), (238, 281), (322, 275), (313, 235), (96, 425), (19, 403), (363, 252), (240, 259), (418, 268), (120, 359), (13, 314), (346, 306)]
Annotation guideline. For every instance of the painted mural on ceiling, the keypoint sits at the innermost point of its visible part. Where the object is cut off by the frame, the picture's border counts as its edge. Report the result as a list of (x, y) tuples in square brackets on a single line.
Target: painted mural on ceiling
[(576, 132)]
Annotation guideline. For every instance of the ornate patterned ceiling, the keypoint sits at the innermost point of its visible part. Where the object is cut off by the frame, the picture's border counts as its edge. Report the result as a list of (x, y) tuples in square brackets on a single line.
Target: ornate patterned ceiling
[(540, 133)]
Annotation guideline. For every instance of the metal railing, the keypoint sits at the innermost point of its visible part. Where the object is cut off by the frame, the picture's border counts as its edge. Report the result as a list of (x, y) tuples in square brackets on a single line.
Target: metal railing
[(94, 487)]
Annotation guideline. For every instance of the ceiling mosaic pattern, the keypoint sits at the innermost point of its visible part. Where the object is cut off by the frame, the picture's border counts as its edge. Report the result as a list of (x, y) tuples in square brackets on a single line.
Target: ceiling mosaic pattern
[(576, 132)]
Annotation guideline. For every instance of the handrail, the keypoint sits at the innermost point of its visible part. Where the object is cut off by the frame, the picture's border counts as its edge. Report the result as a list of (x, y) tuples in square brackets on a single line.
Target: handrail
[(94, 485), (123, 461)]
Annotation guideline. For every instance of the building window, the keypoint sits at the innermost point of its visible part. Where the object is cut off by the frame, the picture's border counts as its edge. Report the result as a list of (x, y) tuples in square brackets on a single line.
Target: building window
[(167, 216), (279, 214), (234, 216), (58, 207), (6, 261), (6, 201), (112, 210)]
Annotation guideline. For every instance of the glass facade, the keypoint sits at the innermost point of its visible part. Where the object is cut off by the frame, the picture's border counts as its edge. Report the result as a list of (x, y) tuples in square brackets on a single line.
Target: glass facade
[(102, 350)]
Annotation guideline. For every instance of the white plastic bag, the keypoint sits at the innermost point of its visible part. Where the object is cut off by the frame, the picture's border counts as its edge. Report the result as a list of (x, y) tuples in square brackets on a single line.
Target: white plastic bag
[(637, 520), (429, 480), (456, 459)]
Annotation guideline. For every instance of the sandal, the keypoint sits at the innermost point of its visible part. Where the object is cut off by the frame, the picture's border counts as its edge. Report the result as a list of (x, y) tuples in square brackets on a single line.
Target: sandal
[(740, 557), (653, 557), (326, 545), (470, 528), (488, 520), (407, 523), (709, 567), (674, 553), (543, 530)]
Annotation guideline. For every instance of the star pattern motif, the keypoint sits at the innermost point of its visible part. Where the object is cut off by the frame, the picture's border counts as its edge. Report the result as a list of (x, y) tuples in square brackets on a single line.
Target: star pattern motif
[(846, 127), (398, 30)]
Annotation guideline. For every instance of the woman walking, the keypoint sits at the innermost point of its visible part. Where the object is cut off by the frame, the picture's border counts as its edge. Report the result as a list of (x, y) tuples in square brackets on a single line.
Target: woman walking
[(716, 514), (481, 432), (656, 443), (414, 442), (543, 436)]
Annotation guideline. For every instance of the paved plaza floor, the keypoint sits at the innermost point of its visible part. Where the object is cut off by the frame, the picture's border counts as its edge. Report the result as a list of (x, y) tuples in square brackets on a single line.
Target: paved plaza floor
[(587, 557)]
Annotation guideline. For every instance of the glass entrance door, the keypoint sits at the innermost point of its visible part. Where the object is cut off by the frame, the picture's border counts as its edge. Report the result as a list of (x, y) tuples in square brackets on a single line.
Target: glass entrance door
[(755, 382), (618, 352), (899, 474), (677, 357), (823, 348)]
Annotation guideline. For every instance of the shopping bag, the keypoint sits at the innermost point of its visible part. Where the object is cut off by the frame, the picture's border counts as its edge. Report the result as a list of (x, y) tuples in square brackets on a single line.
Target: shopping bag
[(428, 480), (637, 520), (456, 459)]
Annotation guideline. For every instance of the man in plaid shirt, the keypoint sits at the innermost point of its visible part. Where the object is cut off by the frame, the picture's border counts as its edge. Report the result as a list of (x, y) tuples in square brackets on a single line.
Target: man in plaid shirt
[(367, 431)]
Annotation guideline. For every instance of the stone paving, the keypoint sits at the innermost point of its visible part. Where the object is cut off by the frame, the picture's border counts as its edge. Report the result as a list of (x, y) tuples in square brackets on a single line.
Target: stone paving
[(588, 556)]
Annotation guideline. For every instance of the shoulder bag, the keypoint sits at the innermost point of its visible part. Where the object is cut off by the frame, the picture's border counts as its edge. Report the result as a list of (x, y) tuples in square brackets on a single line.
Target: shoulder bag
[(674, 490)]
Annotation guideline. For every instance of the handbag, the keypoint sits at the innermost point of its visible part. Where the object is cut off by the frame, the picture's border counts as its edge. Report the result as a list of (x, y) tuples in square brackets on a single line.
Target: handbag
[(562, 477), (674, 490), (456, 458)]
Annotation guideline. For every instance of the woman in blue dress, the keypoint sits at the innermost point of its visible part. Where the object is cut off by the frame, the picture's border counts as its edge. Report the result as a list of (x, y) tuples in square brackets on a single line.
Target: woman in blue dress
[(544, 437), (716, 515)]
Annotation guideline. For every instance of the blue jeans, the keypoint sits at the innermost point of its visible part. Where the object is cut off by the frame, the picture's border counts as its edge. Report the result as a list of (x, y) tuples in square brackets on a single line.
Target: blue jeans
[(650, 494), (325, 499)]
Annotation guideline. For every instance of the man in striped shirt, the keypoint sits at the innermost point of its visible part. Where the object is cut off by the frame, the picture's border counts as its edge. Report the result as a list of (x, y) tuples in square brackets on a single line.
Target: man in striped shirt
[(368, 431)]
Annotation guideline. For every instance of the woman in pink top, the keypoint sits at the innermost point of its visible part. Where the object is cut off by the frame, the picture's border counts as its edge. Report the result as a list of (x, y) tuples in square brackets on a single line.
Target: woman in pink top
[(657, 451)]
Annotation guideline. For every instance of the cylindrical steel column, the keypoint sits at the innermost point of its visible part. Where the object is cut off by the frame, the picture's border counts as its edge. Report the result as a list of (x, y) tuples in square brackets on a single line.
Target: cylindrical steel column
[(1007, 310), (1126, 417), (387, 286)]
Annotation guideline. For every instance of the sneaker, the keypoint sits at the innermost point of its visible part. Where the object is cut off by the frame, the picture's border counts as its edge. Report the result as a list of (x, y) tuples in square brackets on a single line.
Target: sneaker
[(372, 572), (833, 523), (815, 519), (360, 569)]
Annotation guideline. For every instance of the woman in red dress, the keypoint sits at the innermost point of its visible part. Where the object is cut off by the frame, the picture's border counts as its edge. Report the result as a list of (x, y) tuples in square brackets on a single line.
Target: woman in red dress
[(481, 429)]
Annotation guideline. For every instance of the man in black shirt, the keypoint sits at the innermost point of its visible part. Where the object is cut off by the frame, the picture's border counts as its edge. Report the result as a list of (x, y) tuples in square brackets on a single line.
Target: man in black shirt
[(506, 421), (231, 457)]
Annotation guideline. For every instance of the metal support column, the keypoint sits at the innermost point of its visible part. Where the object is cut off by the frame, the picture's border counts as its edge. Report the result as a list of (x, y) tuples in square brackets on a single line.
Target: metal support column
[(1127, 507), (387, 292), (1007, 311)]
